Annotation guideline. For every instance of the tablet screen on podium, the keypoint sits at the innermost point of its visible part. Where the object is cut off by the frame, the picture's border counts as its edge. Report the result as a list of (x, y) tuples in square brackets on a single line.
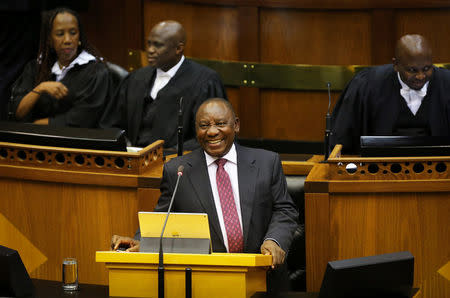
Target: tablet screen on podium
[(184, 232)]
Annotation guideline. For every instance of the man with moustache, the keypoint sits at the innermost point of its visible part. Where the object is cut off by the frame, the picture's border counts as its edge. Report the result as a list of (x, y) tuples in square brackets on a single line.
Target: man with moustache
[(147, 102), (408, 97), (248, 211)]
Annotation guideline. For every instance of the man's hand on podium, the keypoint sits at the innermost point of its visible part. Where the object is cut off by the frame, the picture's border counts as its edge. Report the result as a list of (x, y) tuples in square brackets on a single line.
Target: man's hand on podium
[(270, 247), (124, 243)]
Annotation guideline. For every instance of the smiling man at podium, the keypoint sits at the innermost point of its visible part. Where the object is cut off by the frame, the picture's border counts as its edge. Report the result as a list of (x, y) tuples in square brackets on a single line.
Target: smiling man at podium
[(242, 190)]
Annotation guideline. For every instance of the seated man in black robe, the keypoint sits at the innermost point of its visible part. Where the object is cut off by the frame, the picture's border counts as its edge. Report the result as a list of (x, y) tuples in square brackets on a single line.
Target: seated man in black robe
[(147, 102), (408, 97)]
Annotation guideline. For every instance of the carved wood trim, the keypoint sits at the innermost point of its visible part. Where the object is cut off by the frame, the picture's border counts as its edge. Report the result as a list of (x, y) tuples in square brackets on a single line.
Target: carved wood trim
[(110, 162)]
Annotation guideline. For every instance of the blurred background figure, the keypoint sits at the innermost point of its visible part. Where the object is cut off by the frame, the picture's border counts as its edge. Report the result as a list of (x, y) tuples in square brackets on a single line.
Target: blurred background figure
[(68, 84)]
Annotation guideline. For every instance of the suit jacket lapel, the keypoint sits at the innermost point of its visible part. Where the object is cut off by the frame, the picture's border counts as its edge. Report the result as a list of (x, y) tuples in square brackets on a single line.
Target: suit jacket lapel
[(247, 174), (199, 178)]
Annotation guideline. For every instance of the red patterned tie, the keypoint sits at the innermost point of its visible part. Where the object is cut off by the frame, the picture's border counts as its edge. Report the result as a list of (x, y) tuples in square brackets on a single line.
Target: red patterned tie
[(230, 215)]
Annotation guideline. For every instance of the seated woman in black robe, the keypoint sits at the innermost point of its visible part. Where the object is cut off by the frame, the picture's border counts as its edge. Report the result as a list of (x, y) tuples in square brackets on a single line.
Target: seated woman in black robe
[(68, 84)]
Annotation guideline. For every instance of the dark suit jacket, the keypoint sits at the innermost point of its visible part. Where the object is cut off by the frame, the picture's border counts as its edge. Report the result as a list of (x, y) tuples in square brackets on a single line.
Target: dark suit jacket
[(267, 209)]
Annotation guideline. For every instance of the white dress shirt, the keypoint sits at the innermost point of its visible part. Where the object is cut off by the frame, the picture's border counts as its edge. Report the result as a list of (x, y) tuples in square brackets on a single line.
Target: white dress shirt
[(83, 58), (412, 97), (163, 77), (231, 168)]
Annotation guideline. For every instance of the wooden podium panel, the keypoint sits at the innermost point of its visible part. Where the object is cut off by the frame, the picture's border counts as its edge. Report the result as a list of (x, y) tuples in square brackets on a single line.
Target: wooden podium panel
[(385, 205), (59, 202), (215, 275)]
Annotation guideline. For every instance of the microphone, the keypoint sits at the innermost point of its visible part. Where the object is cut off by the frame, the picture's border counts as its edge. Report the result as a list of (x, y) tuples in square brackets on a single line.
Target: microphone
[(180, 127), (328, 124), (11, 112), (161, 254)]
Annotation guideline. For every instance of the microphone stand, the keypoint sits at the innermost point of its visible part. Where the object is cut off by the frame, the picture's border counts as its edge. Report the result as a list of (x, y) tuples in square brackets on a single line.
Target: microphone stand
[(180, 128), (161, 254), (328, 125), (11, 112)]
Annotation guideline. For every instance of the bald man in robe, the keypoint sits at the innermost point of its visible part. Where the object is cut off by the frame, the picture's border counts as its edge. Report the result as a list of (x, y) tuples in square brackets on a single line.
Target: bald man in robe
[(408, 97), (147, 102)]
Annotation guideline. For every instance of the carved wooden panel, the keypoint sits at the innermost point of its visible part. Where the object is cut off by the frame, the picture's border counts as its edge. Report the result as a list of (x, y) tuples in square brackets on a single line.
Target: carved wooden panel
[(407, 168), (82, 160)]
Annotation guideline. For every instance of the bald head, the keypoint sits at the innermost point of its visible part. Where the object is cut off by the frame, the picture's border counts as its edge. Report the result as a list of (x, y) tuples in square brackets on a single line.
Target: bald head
[(412, 45), (413, 60), (165, 44), (171, 30)]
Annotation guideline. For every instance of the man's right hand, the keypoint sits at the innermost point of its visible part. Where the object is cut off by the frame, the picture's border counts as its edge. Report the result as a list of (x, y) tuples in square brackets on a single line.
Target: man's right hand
[(120, 241), (54, 89)]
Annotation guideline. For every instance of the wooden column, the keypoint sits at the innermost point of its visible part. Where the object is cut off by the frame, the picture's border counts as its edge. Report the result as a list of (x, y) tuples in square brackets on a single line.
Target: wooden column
[(249, 100), (383, 36), (113, 27)]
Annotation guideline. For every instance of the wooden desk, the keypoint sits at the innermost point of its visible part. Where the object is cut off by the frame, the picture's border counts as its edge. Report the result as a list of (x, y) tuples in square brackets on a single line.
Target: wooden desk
[(386, 205), (299, 164), (59, 202)]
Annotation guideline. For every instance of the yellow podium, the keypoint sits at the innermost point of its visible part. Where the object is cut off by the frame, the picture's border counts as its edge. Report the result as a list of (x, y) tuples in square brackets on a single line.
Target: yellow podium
[(213, 275)]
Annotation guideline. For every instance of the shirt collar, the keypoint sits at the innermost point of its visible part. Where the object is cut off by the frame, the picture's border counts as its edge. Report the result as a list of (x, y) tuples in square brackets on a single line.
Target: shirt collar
[(406, 87), (83, 58), (171, 72), (230, 156)]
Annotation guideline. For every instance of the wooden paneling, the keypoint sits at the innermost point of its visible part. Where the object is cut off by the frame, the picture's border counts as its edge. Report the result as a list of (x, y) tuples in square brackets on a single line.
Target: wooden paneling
[(307, 37), (113, 26), (406, 214), (317, 229), (66, 220), (233, 97), (212, 31), (361, 226), (315, 37), (249, 50), (434, 24), (294, 115), (61, 209), (329, 4), (382, 36)]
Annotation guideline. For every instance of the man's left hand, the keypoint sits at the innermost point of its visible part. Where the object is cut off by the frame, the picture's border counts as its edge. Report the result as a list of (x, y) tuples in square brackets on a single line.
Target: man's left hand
[(270, 247)]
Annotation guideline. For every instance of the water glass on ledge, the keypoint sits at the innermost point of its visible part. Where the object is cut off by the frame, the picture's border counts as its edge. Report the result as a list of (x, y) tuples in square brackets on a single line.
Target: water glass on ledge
[(70, 274)]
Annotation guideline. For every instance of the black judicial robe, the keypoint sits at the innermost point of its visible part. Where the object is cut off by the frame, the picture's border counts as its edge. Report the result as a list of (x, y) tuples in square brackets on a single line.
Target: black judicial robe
[(370, 105), (194, 82), (88, 86)]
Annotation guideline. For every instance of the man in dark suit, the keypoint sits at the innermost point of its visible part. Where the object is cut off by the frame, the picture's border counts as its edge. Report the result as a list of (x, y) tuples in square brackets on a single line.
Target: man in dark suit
[(147, 101), (259, 206)]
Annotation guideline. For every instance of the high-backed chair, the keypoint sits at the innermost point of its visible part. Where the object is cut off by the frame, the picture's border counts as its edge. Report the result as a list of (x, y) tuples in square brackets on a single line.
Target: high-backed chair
[(117, 73)]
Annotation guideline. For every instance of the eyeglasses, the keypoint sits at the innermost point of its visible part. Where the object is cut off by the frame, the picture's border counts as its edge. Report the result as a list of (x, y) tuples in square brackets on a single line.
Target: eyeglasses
[(218, 125)]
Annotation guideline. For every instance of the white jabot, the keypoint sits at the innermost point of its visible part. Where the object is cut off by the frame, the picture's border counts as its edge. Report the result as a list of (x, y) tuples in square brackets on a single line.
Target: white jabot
[(163, 77), (83, 58), (412, 97), (231, 169)]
